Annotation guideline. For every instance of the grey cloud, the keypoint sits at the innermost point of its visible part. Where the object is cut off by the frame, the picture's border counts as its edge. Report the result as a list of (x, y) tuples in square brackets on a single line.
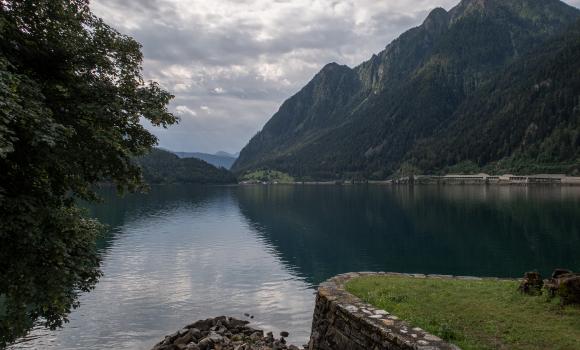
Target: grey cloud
[(238, 44), (243, 58)]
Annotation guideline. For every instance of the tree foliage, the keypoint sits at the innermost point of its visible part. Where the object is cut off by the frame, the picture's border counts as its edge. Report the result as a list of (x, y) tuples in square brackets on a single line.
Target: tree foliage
[(71, 100)]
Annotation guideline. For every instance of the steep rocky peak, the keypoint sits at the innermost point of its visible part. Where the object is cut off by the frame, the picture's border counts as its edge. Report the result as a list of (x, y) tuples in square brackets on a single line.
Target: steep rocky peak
[(478, 3), (331, 65), (332, 71), (469, 7), (334, 67), (520, 8), (437, 14), (437, 21)]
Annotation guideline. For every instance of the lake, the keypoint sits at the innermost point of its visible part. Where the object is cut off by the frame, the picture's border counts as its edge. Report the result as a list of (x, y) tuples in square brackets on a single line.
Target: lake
[(181, 253)]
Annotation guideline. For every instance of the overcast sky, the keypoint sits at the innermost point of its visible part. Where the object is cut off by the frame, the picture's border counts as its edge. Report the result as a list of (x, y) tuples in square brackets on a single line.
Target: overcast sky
[(231, 63)]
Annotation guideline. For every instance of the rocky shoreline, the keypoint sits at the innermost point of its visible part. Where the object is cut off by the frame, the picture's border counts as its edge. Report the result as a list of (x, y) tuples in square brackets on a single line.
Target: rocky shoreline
[(343, 321), (223, 333)]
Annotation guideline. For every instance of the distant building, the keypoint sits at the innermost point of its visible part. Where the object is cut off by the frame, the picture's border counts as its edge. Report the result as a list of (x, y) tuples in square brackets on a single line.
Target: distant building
[(546, 179), (463, 179), (533, 179), (568, 180)]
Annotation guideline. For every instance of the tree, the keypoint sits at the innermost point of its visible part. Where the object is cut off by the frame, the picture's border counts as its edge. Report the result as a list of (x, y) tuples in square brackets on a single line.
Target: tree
[(71, 100)]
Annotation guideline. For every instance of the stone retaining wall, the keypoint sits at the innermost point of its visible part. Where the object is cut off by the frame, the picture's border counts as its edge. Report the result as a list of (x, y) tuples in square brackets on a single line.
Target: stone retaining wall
[(344, 322)]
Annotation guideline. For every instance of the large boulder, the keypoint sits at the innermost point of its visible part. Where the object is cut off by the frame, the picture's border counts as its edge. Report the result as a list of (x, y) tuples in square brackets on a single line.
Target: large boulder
[(560, 272), (569, 288), (532, 283), (564, 284)]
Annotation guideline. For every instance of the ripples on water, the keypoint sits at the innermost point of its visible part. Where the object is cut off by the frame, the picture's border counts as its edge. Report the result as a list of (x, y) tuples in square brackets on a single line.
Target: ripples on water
[(170, 265), (183, 253)]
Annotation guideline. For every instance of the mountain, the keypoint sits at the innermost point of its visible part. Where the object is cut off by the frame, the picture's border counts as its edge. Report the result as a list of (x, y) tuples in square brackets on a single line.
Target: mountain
[(398, 111), (220, 159), (525, 120), (163, 167), (226, 154)]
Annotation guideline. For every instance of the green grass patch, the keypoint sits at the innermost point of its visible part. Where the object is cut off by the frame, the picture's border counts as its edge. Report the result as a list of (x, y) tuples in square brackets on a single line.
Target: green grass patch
[(474, 314), (268, 176)]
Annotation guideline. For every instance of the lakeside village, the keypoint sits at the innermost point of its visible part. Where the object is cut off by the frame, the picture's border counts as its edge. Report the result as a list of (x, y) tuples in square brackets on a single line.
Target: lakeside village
[(452, 179)]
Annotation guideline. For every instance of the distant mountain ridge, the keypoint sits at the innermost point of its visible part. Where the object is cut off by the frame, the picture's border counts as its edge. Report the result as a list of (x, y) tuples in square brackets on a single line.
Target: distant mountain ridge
[(389, 114), (220, 159), (163, 167), (226, 154)]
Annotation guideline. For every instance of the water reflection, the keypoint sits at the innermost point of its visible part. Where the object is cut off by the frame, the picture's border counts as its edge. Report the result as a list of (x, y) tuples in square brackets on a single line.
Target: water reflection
[(182, 252), (462, 230), (176, 256)]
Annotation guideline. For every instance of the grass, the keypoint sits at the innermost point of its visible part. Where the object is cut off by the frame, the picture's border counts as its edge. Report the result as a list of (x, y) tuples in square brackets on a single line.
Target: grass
[(475, 314), (268, 176)]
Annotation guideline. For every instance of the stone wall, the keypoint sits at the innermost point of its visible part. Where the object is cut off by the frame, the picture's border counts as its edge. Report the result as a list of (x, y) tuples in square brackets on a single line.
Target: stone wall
[(344, 322)]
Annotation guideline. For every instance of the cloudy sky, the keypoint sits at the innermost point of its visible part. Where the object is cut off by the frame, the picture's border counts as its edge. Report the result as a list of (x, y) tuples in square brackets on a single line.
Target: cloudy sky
[(231, 63)]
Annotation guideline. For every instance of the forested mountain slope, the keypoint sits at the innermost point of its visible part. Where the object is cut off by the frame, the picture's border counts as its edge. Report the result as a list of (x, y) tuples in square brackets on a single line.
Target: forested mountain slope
[(163, 167), (219, 160), (525, 120), (391, 112)]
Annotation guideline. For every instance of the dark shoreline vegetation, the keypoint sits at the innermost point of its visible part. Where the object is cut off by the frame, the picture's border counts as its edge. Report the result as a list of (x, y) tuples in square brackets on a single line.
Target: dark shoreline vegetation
[(163, 167)]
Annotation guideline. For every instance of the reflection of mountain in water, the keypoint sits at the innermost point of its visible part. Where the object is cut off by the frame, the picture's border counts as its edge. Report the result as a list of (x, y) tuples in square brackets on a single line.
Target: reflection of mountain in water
[(487, 231), (179, 254), (116, 212), (186, 252)]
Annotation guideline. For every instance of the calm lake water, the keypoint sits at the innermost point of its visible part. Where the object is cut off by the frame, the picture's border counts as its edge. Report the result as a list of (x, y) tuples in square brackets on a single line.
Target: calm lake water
[(182, 253)]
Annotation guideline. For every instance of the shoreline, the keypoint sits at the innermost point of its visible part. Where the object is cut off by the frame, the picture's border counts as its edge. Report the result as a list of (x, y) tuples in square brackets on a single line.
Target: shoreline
[(425, 181), (224, 333)]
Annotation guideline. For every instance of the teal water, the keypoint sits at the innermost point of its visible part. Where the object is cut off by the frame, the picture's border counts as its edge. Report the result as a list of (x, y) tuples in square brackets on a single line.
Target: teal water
[(182, 253)]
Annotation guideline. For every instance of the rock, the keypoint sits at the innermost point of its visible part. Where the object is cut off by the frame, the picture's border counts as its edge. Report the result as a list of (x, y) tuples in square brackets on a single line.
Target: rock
[(168, 347), (284, 334), (204, 343), (565, 284), (196, 333), (220, 320), (569, 288), (216, 338), (237, 323), (223, 333), (185, 339), (559, 272), (532, 283), (167, 340), (202, 325)]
